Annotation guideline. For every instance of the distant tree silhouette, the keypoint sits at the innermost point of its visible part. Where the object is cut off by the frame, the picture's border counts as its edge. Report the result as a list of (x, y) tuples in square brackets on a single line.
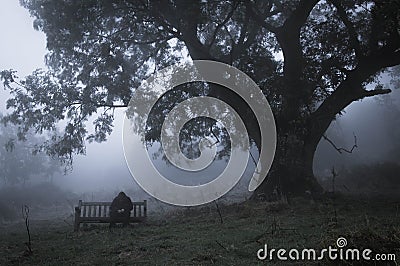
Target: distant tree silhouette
[(20, 160)]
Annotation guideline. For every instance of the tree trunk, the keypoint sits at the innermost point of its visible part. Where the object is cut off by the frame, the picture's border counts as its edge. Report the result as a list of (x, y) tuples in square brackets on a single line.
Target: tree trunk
[(292, 170)]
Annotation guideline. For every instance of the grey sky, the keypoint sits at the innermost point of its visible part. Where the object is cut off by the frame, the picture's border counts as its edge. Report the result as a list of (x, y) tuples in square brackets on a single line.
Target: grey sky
[(22, 48)]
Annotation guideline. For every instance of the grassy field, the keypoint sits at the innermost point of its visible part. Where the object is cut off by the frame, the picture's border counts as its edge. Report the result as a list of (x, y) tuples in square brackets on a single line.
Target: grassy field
[(196, 236)]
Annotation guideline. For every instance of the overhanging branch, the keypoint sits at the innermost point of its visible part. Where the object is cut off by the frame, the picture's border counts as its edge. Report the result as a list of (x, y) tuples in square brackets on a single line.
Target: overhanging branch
[(375, 92)]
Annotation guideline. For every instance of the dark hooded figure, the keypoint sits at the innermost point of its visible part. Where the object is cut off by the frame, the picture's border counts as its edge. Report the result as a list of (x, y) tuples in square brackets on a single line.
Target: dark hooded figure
[(120, 209)]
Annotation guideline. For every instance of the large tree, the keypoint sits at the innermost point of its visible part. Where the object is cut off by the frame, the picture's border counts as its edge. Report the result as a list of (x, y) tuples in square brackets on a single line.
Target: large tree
[(100, 51)]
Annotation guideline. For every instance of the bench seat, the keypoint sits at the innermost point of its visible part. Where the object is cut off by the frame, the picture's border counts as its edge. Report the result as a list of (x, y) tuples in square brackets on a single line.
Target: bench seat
[(99, 212)]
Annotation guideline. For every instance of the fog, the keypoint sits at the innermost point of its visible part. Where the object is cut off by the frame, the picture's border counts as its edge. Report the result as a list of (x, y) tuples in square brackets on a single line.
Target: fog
[(368, 121), (103, 168)]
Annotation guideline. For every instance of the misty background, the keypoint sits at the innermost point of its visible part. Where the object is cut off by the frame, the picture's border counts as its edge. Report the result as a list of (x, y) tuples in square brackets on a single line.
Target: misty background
[(103, 169)]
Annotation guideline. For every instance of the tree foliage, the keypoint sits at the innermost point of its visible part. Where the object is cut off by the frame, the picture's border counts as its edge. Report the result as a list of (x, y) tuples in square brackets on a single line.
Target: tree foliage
[(100, 51)]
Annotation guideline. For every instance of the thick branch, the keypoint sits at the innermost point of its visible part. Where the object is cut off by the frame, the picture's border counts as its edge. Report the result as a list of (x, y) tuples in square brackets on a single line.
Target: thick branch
[(260, 19), (188, 28), (371, 93), (222, 24), (300, 15), (351, 89), (288, 36)]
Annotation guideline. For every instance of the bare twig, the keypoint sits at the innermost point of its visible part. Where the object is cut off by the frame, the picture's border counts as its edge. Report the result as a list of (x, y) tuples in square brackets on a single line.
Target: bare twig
[(25, 215), (273, 229), (219, 212), (341, 150), (219, 244)]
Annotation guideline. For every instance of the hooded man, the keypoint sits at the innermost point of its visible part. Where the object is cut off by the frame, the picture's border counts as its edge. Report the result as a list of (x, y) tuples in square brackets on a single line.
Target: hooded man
[(120, 209)]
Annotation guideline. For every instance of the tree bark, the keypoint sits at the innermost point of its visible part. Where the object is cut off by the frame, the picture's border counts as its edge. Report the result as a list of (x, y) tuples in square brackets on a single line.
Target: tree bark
[(292, 170)]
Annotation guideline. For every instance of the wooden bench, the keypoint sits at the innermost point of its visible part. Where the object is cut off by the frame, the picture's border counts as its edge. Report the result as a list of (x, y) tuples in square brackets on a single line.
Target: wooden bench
[(99, 212)]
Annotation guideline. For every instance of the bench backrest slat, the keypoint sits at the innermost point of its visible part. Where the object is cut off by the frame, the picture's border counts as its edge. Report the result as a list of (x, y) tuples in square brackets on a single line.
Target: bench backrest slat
[(102, 209), (95, 212), (92, 203)]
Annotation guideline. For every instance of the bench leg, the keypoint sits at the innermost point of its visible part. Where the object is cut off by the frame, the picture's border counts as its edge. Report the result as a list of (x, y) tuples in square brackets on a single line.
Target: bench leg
[(111, 225), (77, 223), (76, 226), (77, 216)]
